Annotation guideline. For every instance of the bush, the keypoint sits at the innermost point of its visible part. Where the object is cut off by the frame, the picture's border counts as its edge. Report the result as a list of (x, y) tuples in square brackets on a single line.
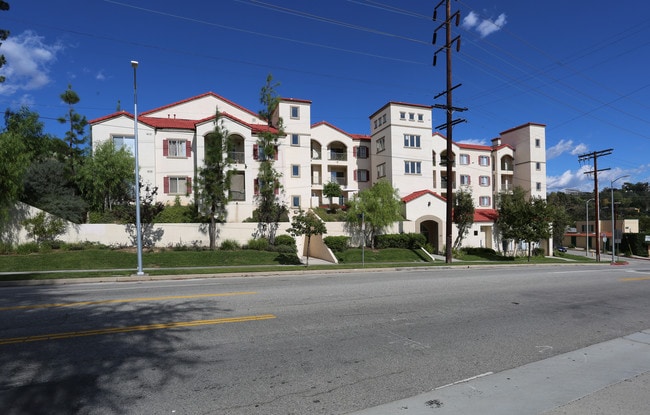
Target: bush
[(400, 240), (260, 244), (337, 243), (103, 217), (44, 227), (283, 249), (229, 245), (538, 252), (285, 240), (27, 248)]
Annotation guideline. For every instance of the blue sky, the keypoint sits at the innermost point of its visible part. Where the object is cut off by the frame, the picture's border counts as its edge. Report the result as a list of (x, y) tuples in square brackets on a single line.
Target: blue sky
[(580, 68)]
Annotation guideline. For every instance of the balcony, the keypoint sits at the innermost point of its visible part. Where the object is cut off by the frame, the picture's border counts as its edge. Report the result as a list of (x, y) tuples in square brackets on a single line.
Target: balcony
[(338, 155), (236, 157)]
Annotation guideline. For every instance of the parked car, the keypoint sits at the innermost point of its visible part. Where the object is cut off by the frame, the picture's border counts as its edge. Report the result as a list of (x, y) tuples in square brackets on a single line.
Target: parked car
[(562, 248)]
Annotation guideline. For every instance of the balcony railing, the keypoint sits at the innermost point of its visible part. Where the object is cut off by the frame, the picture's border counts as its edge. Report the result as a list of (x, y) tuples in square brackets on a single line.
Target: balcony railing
[(237, 195), (338, 156), (340, 180), (236, 157)]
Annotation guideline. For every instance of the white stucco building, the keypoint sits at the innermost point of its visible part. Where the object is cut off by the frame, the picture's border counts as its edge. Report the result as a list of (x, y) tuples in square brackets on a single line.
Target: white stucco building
[(401, 148)]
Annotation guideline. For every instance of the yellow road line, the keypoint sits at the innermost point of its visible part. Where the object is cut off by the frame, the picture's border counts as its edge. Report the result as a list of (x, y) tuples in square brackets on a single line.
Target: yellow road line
[(125, 300), (635, 279), (113, 330)]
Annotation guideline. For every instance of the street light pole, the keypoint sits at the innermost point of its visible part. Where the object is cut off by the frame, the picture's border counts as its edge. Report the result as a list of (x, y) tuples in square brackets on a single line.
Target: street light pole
[(587, 226), (611, 188), (138, 230)]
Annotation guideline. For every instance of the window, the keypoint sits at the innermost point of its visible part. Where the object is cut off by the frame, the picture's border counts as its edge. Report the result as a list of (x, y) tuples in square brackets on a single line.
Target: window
[(538, 166), (465, 180), (411, 116), (538, 142), (412, 167), (420, 117), (383, 119), (177, 148), (484, 160), (295, 170), (484, 180), (361, 152), (381, 145), (484, 201), (127, 143), (411, 140), (258, 154), (177, 185), (402, 115), (295, 112), (295, 201), (361, 175), (376, 123), (433, 158), (381, 170), (538, 186), (464, 159), (295, 139)]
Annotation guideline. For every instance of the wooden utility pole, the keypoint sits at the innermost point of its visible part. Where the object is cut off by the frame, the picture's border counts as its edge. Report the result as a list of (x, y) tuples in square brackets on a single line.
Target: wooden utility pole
[(582, 158), (449, 109)]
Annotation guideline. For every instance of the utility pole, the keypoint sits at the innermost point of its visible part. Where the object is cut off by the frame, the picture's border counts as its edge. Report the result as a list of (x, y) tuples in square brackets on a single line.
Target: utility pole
[(585, 157), (449, 108)]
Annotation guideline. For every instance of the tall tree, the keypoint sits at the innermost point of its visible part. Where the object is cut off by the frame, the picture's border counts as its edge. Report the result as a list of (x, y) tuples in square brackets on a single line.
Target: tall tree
[(15, 160), (307, 224), (74, 137), (213, 182), (463, 215), (4, 34), (106, 177), (378, 207), (269, 206)]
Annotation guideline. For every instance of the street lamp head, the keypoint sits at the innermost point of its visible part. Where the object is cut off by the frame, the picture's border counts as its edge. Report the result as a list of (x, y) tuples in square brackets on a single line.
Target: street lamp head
[(134, 64)]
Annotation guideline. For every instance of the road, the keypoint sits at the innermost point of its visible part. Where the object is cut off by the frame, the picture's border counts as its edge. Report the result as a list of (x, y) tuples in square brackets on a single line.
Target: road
[(321, 343)]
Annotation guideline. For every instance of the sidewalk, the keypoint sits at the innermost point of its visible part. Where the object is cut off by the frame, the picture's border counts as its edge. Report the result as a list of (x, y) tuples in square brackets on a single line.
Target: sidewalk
[(604, 379)]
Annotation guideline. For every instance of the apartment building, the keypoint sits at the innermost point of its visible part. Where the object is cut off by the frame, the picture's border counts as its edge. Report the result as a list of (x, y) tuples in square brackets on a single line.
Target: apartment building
[(401, 148)]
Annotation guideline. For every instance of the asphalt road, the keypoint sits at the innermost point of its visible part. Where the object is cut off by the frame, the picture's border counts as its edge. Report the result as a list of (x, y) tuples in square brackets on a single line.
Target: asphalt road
[(308, 344)]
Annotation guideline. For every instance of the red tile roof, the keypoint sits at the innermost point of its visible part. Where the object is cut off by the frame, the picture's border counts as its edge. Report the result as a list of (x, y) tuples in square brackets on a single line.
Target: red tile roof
[(353, 136), (485, 215), (410, 197)]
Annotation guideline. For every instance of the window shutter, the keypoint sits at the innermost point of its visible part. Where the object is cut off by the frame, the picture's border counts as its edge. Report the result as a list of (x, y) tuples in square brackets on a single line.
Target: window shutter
[(256, 186), (469, 180), (256, 151), (166, 184), (275, 155), (354, 151), (165, 148), (188, 187), (276, 189), (355, 175), (188, 148)]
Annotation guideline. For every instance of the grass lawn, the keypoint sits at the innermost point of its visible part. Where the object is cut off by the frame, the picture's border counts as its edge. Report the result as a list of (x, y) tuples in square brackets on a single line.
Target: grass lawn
[(170, 262)]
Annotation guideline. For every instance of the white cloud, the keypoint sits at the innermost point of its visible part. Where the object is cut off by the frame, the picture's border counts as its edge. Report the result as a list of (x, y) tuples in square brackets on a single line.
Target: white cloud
[(484, 27), (100, 76), (474, 141), (565, 146), (29, 60)]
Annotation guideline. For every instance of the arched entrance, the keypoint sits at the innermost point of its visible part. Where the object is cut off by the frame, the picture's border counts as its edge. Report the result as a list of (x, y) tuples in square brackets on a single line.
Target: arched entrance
[(430, 229)]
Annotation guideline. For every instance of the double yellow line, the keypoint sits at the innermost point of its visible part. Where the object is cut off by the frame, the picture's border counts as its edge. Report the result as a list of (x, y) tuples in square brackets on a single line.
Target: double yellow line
[(128, 329)]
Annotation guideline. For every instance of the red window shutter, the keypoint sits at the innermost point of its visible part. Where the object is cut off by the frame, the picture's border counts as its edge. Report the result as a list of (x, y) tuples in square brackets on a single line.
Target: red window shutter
[(276, 190), (469, 179), (256, 186), (256, 151), (355, 174), (275, 156), (188, 148), (189, 185), (166, 184), (165, 148), (354, 151)]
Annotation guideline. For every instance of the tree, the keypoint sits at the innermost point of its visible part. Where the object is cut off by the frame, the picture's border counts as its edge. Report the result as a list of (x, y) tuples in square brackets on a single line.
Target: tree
[(307, 224), (74, 136), (44, 227), (15, 160), (332, 190), (106, 178), (463, 215), (149, 209), (270, 209), (523, 220), (4, 34), (378, 207), (213, 181)]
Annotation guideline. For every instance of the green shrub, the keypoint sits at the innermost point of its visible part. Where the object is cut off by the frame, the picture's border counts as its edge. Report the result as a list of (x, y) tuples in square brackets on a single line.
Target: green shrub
[(229, 245), (6, 248), (176, 213), (260, 244), (27, 248), (285, 240), (337, 243), (400, 240), (283, 249), (44, 227), (538, 252)]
